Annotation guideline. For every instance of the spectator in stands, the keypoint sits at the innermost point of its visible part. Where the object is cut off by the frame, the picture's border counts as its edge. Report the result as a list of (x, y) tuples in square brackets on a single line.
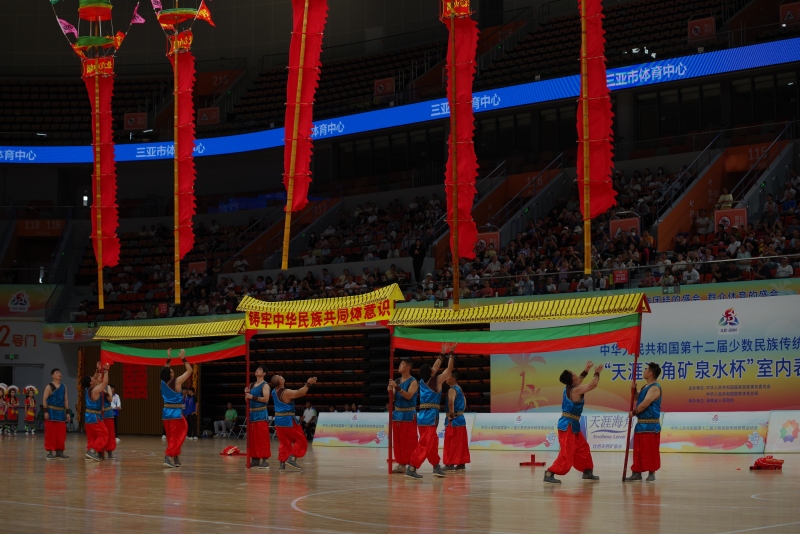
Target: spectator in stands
[(733, 245), (668, 279), (221, 428), (770, 202), (702, 223), (679, 266), (725, 201), (240, 265), (733, 273), (745, 253), (309, 258), (309, 421), (142, 313), (785, 269), (648, 280), (213, 227), (202, 308), (586, 283), (770, 216), (789, 204), (690, 275)]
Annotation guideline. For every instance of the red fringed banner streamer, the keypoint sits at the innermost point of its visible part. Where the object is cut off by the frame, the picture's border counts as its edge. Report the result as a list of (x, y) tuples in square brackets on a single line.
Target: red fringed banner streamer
[(185, 204), (304, 51), (601, 193), (463, 149), (98, 75)]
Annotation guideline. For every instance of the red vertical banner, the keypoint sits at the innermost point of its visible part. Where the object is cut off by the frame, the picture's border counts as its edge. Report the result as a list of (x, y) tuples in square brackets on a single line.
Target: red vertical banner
[(183, 64), (462, 163), (98, 75), (305, 48), (595, 102)]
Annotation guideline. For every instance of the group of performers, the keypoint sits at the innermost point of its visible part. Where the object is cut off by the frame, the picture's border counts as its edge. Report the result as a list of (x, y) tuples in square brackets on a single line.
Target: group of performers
[(414, 430), (9, 409), (414, 436), (574, 450)]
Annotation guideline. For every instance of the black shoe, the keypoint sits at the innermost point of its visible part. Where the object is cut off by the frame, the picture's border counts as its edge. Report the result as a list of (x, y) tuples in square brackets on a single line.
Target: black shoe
[(177, 461), (651, 477), (634, 477), (101, 455), (264, 464), (61, 456), (411, 472), (254, 463), (437, 472), (550, 478), (292, 462), (449, 468), (589, 475), (168, 462), (282, 467), (92, 454), (461, 467), (110, 455), (50, 455)]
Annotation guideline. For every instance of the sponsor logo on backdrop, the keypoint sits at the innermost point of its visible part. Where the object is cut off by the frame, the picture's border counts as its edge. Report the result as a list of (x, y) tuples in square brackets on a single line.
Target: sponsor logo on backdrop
[(790, 431), (19, 303), (69, 332), (518, 421), (728, 323), (715, 420), (355, 418)]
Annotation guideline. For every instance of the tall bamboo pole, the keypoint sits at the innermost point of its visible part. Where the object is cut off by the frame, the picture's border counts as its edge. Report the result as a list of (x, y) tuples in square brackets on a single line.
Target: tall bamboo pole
[(454, 159), (176, 188), (98, 178), (287, 225)]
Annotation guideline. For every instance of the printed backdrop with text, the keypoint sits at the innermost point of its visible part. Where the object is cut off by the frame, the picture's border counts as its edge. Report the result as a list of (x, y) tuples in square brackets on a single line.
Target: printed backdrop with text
[(715, 355)]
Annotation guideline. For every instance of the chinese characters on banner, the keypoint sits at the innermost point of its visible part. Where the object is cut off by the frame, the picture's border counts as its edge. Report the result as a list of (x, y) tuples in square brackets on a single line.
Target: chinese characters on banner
[(134, 381), (301, 320)]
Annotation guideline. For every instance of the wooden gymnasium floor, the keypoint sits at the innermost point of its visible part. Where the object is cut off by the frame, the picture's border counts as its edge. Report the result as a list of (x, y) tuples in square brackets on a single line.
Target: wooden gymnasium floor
[(348, 490)]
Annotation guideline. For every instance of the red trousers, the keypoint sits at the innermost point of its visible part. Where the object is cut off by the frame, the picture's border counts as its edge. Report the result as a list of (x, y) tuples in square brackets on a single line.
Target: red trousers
[(404, 440), (96, 436), (176, 434), (456, 446), (258, 435), (574, 453), (427, 448), (646, 456), (111, 445), (55, 435), (292, 442)]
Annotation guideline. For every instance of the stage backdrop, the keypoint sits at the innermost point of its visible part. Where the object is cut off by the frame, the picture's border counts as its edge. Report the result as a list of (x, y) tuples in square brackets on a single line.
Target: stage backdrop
[(784, 432), (715, 355)]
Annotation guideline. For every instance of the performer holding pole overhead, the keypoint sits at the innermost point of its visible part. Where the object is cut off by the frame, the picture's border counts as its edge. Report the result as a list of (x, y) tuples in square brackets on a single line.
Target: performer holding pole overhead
[(430, 395), (257, 394), (404, 415), (575, 450), (96, 431), (647, 434), (292, 439), (172, 414), (456, 444), (55, 402)]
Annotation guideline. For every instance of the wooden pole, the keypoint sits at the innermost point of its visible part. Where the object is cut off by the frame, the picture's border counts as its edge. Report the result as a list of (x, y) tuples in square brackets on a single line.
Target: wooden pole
[(98, 181), (633, 395), (389, 460), (587, 221), (287, 225), (247, 402), (454, 160)]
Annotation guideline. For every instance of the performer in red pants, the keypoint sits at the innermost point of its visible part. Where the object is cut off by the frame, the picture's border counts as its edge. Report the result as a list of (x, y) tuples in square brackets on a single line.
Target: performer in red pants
[(257, 394), (96, 432), (55, 402), (430, 393), (647, 434), (404, 416), (175, 424), (108, 420), (292, 439), (574, 449), (456, 444)]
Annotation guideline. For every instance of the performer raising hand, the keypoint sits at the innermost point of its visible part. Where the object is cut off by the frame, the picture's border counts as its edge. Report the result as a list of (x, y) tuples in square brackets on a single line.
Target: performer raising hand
[(293, 443), (96, 431), (430, 394), (172, 414)]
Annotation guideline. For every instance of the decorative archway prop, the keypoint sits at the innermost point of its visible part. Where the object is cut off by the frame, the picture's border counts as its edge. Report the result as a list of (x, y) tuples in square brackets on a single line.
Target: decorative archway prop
[(625, 330)]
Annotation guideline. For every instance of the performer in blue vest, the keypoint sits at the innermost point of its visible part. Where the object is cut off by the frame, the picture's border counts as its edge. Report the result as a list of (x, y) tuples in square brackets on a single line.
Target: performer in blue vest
[(456, 444), (96, 431), (175, 424), (430, 395), (258, 426), (647, 434), (291, 438), (55, 402), (404, 415), (575, 450)]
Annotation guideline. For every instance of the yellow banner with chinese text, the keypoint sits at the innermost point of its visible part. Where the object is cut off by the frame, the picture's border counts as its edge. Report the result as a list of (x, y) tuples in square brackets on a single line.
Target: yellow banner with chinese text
[(302, 320)]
